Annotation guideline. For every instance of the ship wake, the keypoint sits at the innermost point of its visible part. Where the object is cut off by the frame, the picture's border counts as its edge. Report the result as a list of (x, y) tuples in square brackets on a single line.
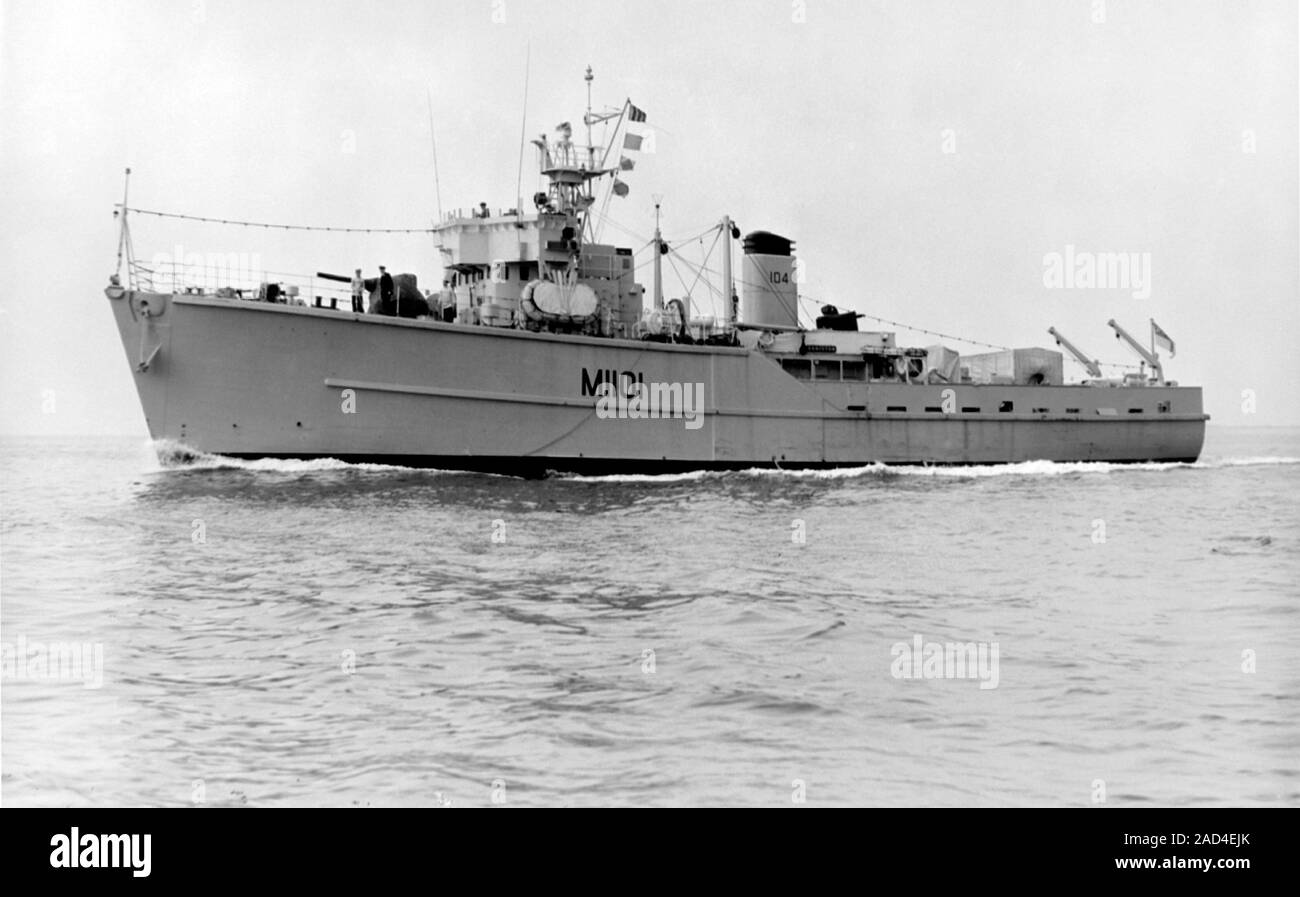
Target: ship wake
[(173, 455), (1021, 469)]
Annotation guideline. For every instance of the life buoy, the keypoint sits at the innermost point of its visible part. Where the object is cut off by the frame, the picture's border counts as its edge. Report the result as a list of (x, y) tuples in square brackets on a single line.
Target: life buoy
[(526, 304), (549, 300)]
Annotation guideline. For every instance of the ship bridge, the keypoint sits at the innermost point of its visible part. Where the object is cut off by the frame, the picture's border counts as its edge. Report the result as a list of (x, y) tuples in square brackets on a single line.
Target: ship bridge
[(569, 170), (566, 162)]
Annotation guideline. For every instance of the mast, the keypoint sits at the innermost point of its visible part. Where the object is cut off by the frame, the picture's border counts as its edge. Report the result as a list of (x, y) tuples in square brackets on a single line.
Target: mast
[(659, 251), (591, 150), (729, 310), (121, 236)]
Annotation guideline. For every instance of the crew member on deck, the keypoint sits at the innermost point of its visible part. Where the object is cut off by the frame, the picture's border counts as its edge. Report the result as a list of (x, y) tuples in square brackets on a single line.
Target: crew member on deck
[(386, 304), (447, 301), (483, 210), (358, 288)]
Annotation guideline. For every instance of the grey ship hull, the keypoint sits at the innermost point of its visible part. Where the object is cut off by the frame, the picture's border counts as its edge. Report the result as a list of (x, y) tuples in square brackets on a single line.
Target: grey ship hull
[(248, 380)]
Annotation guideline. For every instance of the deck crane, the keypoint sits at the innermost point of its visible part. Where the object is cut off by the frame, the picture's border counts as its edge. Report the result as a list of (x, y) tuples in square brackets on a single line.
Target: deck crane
[(1091, 365), (1147, 355)]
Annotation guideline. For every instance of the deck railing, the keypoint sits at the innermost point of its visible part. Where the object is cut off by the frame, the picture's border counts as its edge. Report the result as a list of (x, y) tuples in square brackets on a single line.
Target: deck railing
[(233, 283), (454, 215)]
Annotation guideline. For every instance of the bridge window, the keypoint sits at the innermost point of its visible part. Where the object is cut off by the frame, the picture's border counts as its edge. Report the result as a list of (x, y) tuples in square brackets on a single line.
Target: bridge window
[(799, 368), (1162, 407), (934, 408), (970, 409), (898, 408), (826, 370), (1006, 406), (882, 368), (1071, 410), (1042, 410)]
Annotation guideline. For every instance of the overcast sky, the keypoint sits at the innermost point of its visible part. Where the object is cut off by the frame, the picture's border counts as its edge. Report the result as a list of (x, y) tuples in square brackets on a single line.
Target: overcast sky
[(925, 156)]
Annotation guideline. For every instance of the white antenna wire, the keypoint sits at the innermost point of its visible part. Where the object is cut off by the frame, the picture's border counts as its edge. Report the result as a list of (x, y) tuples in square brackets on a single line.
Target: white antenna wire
[(523, 136), (428, 95)]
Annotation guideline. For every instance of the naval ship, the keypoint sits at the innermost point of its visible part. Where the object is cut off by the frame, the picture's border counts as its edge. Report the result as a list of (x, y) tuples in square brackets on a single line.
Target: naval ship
[(540, 352)]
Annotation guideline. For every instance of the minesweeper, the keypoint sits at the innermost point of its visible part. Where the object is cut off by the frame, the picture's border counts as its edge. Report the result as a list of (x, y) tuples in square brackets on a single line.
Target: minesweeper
[(541, 353)]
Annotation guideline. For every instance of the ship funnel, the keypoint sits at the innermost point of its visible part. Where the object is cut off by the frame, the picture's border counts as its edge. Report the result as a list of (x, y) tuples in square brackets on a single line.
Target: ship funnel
[(769, 290)]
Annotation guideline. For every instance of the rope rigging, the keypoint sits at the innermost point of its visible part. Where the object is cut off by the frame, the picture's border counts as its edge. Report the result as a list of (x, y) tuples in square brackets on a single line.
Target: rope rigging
[(960, 339), (338, 230), (700, 269), (810, 307), (950, 336)]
